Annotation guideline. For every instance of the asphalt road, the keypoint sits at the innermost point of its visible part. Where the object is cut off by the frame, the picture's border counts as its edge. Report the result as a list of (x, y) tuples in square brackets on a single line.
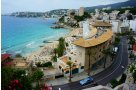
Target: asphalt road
[(104, 77)]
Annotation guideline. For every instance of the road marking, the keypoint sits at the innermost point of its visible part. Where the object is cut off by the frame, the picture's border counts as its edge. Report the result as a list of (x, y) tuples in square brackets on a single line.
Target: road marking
[(113, 70), (116, 68)]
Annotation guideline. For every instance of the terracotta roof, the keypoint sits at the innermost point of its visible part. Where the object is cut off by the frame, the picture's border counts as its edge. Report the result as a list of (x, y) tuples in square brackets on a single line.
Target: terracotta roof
[(93, 32), (65, 59), (134, 47), (21, 64), (94, 41), (4, 56), (101, 23)]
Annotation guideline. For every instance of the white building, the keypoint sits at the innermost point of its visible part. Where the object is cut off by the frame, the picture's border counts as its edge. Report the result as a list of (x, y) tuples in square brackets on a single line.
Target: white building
[(86, 29), (116, 26), (105, 16), (81, 11), (66, 18), (133, 25), (113, 15)]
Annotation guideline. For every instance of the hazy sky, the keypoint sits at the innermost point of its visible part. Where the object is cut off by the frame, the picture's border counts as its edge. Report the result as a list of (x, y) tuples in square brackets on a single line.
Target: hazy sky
[(9, 6)]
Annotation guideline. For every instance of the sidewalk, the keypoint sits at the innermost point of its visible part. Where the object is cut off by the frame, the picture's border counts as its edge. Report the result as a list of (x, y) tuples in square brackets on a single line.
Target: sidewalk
[(76, 77)]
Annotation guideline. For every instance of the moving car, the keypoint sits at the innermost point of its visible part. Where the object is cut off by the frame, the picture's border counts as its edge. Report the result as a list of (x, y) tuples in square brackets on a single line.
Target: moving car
[(86, 81)]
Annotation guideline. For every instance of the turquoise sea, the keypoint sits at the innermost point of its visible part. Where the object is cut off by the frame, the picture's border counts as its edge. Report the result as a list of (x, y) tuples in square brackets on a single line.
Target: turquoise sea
[(25, 35)]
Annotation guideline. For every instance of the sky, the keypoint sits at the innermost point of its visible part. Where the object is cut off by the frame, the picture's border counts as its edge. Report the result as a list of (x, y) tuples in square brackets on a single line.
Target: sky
[(9, 6)]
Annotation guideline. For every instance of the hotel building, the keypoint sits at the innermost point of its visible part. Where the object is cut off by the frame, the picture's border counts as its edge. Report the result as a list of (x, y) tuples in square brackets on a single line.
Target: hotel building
[(96, 37), (81, 11)]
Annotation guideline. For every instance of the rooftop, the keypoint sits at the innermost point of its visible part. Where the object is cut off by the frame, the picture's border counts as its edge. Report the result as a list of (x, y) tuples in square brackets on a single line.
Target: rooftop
[(4, 56), (101, 24), (94, 41)]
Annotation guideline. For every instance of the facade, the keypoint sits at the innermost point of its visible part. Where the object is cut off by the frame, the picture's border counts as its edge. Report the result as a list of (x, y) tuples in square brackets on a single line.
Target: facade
[(133, 25), (90, 50), (86, 29), (113, 15), (6, 60), (116, 26), (81, 11), (69, 12), (65, 69), (66, 19)]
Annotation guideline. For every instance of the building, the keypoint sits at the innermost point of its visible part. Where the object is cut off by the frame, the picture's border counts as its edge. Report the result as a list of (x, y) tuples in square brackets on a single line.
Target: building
[(133, 25), (86, 29), (125, 26), (66, 19), (6, 60), (116, 26), (81, 11), (65, 69), (105, 16), (100, 38), (69, 12), (113, 15)]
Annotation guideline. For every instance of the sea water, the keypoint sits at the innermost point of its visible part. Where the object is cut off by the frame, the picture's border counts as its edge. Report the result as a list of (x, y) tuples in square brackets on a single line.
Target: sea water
[(25, 35)]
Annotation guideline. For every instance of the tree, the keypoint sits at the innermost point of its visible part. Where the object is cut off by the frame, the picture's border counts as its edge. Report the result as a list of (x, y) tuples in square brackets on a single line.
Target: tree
[(61, 47), (6, 77), (132, 69), (54, 58), (18, 73), (61, 19), (69, 63), (134, 76), (37, 75), (114, 83), (72, 13), (106, 53), (89, 64), (123, 79), (18, 55)]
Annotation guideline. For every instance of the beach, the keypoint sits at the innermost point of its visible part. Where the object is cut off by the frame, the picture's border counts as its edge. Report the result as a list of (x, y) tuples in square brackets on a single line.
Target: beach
[(44, 53)]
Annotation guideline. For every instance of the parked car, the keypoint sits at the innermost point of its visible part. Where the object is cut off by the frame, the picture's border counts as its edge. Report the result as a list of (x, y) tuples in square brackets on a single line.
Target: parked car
[(86, 81)]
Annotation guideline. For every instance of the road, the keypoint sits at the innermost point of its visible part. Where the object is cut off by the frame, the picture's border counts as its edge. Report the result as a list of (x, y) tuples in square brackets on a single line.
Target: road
[(108, 74)]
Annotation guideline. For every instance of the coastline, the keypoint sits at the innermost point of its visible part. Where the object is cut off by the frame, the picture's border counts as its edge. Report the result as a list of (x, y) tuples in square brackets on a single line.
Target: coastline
[(49, 46)]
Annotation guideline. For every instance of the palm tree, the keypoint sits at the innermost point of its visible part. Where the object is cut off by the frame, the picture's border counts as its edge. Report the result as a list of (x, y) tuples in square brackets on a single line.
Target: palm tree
[(89, 54), (106, 53), (54, 58), (69, 63)]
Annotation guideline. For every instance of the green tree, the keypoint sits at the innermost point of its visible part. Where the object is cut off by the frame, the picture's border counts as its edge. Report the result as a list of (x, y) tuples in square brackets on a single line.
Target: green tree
[(37, 75), (114, 83), (18, 55), (106, 54), (6, 77), (54, 58), (61, 47), (69, 63), (89, 53), (61, 19), (18, 73), (134, 76), (123, 79)]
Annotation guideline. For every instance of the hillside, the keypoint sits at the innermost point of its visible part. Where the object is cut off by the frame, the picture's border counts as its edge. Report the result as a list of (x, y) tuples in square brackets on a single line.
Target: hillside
[(131, 3)]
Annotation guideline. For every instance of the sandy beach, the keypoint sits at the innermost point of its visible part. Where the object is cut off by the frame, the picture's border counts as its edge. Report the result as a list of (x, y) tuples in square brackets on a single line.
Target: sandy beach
[(44, 53)]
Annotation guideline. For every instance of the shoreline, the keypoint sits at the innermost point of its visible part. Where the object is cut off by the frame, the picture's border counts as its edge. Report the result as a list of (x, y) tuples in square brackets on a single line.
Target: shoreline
[(50, 45)]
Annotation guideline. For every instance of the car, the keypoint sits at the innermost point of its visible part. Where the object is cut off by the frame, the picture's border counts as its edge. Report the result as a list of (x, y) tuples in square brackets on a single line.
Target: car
[(122, 67), (86, 81)]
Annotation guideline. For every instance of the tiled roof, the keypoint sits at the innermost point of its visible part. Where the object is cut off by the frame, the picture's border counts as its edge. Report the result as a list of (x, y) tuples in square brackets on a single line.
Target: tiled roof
[(101, 23), (4, 56), (94, 41)]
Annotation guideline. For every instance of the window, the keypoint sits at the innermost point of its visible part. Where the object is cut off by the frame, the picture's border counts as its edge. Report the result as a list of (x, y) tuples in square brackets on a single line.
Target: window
[(59, 67), (66, 72), (82, 67), (62, 70)]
